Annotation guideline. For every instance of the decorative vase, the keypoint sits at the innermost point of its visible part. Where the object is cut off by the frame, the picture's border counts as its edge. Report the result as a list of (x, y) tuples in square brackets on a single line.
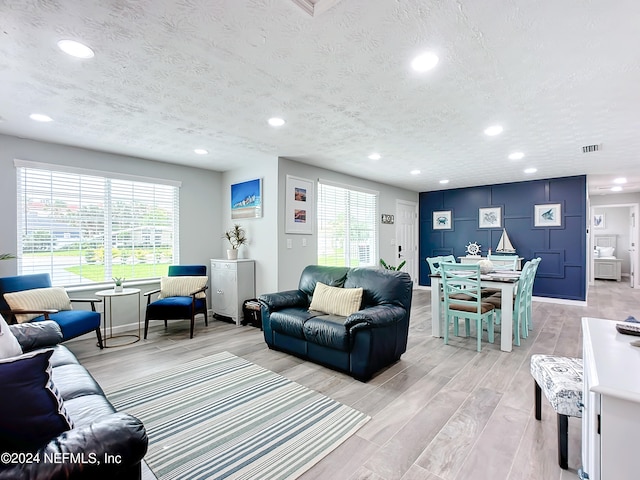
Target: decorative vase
[(232, 254), (485, 266), (117, 288)]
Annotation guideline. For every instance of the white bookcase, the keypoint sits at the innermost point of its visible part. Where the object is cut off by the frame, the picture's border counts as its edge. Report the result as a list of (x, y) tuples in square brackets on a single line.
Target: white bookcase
[(232, 282)]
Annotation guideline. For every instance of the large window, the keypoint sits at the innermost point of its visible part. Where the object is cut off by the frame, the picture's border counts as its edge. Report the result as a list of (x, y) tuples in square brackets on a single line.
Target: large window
[(86, 227), (347, 225)]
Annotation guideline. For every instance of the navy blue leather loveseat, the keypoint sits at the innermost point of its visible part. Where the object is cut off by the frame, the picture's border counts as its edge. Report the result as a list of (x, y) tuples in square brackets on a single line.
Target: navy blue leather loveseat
[(359, 344)]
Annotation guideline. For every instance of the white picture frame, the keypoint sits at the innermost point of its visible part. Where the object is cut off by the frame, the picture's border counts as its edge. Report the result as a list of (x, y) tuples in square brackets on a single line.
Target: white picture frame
[(598, 221), (442, 220), (490, 217), (547, 215), (299, 206)]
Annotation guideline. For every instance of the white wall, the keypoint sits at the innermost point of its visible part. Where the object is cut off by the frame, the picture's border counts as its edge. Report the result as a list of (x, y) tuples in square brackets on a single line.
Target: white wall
[(293, 260), (205, 211), (262, 236), (200, 215), (617, 222)]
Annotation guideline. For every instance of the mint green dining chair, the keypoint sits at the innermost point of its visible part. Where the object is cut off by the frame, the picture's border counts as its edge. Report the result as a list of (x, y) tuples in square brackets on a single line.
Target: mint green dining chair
[(522, 309), (434, 262), (510, 262), (462, 295)]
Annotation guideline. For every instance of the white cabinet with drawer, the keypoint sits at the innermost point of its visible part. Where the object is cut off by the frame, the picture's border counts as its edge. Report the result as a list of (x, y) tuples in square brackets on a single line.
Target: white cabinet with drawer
[(611, 398), (232, 282)]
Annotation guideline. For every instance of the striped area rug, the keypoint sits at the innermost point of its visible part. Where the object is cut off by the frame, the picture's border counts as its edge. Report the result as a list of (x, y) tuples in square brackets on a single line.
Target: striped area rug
[(224, 417)]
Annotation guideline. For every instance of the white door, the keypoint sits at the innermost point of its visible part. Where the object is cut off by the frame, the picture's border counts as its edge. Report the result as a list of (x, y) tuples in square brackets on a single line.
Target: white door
[(633, 241), (406, 237)]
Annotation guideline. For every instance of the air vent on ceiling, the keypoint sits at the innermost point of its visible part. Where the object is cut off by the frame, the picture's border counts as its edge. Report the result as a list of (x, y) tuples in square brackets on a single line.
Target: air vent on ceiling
[(591, 148), (315, 7)]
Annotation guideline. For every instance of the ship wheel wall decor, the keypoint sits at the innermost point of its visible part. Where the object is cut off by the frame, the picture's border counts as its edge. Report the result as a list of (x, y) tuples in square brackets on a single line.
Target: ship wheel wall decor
[(473, 249)]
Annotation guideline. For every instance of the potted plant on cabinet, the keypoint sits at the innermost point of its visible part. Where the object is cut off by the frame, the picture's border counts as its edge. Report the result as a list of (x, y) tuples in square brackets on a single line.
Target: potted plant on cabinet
[(236, 237)]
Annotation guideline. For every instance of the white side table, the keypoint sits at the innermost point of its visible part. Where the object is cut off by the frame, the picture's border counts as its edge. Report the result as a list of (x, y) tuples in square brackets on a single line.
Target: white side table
[(108, 315)]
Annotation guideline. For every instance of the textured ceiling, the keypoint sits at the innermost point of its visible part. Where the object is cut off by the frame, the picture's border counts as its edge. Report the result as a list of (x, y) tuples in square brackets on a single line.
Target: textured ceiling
[(171, 76)]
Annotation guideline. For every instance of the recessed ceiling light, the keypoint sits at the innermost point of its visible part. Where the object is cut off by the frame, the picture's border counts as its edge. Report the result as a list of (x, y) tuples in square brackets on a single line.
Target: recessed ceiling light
[(276, 122), (444, 181), (493, 130), (201, 151), (620, 180), (516, 156), (424, 62), (375, 156), (415, 172), (531, 170), (617, 188), (40, 117), (75, 49)]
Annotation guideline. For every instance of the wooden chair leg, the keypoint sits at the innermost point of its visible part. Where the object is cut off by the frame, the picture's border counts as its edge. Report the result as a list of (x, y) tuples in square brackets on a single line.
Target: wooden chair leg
[(563, 441), (146, 327), (538, 397), (99, 335), (193, 321)]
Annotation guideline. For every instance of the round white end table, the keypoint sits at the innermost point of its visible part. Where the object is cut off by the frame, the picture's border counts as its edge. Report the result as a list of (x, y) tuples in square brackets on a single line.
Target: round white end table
[(108, 296)]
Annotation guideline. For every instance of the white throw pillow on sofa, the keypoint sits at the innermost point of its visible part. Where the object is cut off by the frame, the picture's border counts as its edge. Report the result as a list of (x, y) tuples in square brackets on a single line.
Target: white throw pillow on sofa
[(9, 346), (336, 301)]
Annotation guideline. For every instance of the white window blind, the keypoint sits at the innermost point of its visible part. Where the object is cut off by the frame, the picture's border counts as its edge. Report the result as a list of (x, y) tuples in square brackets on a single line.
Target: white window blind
[(347, 226), (84, 228)]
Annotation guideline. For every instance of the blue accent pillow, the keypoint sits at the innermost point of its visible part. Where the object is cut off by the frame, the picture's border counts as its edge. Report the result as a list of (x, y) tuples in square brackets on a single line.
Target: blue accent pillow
[(31, 406)]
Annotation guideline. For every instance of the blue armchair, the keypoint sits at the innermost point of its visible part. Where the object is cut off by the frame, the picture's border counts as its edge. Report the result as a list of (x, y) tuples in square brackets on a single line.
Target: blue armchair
[(179, 300), (73, 323)]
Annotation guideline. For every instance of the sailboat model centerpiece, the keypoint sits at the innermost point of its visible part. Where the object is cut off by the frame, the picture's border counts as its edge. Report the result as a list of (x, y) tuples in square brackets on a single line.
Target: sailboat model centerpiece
[(504, 245)]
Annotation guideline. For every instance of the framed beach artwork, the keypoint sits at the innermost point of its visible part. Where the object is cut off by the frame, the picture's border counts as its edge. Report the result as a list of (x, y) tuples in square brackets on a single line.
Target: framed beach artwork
[(490, 217), (299, 206), (246, 199), (598, 220), (549, 215), (442, 220)]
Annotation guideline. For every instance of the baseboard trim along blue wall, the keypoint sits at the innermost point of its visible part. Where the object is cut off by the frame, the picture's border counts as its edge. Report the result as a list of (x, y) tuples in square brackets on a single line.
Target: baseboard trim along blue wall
[(529, 213)]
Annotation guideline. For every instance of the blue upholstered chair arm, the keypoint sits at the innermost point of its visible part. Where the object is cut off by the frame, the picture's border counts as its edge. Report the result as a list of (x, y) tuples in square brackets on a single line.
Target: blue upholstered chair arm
[(287, 299), (32, 336), (375, 317)]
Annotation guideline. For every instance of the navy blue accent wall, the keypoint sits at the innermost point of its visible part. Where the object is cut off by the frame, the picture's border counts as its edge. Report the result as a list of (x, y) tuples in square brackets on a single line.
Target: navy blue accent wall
[(562, 271)]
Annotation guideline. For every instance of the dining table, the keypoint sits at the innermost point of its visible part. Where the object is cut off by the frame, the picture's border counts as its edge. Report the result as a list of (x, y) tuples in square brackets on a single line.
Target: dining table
[(505, 280)]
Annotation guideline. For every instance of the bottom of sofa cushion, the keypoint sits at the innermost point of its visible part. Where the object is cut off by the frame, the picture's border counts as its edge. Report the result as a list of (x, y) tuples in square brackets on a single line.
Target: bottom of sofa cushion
[(328, 331), (74, 381), (62, 356), (290, 321), (87, 409)]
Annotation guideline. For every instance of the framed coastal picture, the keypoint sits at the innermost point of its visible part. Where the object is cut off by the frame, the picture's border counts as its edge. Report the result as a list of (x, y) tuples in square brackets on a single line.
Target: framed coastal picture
[(246, 199), (442, 220), (549, 215), (490, 217), (299, 206)]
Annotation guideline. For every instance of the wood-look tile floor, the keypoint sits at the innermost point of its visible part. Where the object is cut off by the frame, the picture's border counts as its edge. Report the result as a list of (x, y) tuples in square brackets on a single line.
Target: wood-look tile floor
[(443, 412)]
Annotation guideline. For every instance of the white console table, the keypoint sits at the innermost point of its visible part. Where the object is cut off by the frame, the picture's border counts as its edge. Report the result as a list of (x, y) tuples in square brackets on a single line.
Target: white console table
[(611, 397), (495, 260)]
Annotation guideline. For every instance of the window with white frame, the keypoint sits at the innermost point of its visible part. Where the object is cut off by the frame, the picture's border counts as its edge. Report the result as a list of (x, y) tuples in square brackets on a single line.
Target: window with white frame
[(347, 225), (82, 226)]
